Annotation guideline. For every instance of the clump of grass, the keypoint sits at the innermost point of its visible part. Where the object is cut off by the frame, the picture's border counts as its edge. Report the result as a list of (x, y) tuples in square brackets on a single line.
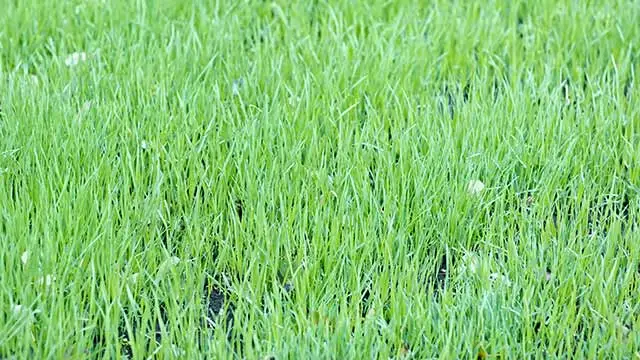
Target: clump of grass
[(319, 179)]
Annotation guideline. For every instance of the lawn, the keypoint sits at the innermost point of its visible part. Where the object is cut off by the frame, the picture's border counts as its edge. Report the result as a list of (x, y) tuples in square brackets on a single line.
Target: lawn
[(319, 179)]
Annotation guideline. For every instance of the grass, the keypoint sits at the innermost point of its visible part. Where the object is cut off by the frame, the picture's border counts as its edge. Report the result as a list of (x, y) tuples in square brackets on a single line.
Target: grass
[(304, 179)]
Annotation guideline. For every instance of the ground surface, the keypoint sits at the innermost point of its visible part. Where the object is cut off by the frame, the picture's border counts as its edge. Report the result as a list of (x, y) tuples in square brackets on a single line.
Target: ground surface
[(319, 179)]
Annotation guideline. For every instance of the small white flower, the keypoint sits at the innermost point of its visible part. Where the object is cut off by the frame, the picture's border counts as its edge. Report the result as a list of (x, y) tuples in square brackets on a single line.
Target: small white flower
[(24, 257), (75, 58), (475, 187), (144, 145)]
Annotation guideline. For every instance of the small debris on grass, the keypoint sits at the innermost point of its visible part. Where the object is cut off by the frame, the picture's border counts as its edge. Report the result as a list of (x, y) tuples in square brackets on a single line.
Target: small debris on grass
[(22, 310), (475, 187), (34, 80), (166, 266), (499, 277), (17, 309), (288, 287), (471, 263), (405, 350), (623, 329), (530, 200), (144, 145), (177, 351), (319, 319), (75, 59), (46, 280), (482, 353), (294, 100), (236, 85), (86, 106), (371, 314), (133, 279), (83, 111), (24, 257)]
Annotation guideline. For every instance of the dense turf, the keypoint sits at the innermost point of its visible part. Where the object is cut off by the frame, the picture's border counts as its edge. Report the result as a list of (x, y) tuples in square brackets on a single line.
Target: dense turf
[(304, 179)]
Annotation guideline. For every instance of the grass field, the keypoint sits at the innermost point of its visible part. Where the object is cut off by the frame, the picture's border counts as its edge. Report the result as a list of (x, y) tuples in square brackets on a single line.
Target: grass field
[(319, 179)]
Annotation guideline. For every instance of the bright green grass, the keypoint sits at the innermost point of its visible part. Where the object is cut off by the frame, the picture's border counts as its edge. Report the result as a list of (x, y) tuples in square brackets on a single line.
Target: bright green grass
[(346, 134)]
